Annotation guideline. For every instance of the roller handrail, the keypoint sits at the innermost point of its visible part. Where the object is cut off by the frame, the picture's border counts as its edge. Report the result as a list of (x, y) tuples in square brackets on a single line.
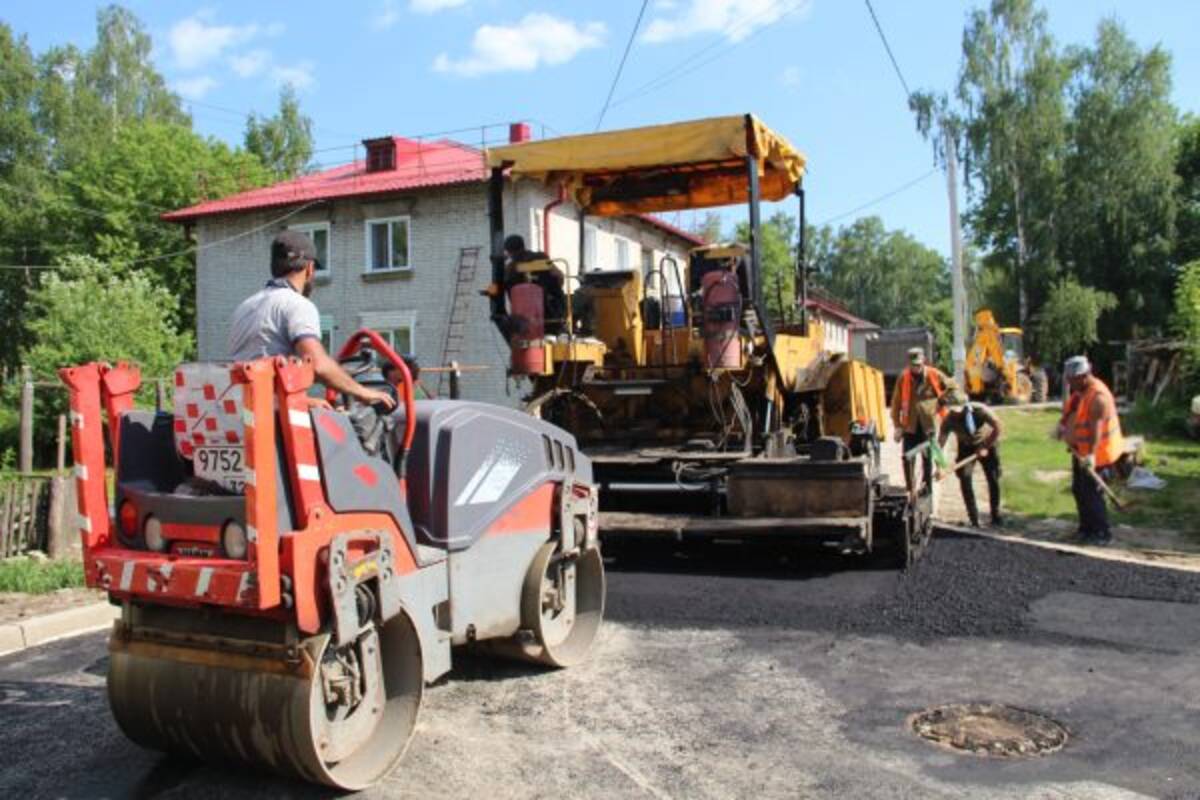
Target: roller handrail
[(380, 345)]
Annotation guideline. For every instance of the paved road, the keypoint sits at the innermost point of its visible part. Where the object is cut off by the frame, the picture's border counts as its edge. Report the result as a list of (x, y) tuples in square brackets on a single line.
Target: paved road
[(791, 678)]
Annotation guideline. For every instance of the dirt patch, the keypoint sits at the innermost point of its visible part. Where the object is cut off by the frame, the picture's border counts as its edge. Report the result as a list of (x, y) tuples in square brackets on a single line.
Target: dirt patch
[(1051, 475), (16, 606)]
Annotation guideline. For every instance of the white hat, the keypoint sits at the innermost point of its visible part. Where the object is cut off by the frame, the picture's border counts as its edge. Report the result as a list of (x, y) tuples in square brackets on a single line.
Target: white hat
[(1076, 366)]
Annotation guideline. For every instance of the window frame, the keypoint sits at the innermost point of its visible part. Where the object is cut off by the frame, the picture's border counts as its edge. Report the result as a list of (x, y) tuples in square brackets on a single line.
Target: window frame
[(328, 326), (368, 269), (308, 228)]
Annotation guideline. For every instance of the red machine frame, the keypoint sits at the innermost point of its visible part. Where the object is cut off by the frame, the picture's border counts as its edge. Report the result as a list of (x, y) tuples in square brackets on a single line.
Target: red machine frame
[(257, 585)]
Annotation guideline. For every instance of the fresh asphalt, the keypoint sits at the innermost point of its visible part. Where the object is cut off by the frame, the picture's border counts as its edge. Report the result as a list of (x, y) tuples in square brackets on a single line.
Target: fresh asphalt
[(728, 673)]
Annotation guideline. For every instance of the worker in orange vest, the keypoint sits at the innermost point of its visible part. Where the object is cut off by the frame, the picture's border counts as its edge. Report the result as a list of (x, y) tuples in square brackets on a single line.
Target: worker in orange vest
[(1092, 431), (915, 411)]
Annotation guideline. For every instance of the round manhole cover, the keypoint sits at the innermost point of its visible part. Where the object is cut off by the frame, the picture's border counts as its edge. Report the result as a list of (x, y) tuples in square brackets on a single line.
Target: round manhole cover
[(988, 729)]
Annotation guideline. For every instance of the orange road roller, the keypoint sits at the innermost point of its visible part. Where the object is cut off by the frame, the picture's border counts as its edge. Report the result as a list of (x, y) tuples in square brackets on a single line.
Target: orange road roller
[(291, 576)]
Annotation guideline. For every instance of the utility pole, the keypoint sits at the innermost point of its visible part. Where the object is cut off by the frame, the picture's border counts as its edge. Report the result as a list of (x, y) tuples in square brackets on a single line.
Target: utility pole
[(958, 291)]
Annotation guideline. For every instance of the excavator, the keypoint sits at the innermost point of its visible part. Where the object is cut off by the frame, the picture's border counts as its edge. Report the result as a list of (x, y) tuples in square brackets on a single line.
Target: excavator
[(704, 418), (996, 368), (291, 577)]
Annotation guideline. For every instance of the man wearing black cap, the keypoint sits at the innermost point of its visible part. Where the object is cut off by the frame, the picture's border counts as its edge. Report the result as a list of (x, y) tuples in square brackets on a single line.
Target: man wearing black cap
[(554, 299), (280, 320)]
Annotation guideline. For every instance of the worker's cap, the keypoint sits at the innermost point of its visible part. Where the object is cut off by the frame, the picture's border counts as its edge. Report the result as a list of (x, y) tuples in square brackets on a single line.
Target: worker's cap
[(1076, 366), (916, 355), (291, 251)]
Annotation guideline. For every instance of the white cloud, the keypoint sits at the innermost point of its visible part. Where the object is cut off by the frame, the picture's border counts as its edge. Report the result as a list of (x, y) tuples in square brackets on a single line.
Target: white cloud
[(194, 88), (535, 40), (792, 77), (250, 64), (387, 16), (434, 6), (194, 42), (734, 19), (299, 75)]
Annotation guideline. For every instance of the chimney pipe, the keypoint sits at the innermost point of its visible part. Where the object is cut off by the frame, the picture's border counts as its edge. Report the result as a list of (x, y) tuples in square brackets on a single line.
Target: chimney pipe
[(519, 132)]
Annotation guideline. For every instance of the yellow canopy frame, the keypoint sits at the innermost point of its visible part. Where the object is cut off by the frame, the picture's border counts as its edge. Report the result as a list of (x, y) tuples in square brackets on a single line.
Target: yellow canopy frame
[(695, 164)]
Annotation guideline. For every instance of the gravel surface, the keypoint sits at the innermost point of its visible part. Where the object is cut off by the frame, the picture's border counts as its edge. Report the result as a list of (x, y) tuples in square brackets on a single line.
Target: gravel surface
[(791, 676)]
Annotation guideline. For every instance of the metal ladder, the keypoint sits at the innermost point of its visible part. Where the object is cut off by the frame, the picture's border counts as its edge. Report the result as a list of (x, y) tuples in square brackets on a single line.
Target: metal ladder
[(460, 309)]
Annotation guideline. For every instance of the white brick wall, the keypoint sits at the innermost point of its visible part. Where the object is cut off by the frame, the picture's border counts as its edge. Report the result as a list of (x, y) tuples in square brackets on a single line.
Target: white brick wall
[(443, 221)]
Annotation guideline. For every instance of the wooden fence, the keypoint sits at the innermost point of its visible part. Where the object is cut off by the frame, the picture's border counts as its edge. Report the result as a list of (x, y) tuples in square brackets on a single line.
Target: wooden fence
[(24, 515)]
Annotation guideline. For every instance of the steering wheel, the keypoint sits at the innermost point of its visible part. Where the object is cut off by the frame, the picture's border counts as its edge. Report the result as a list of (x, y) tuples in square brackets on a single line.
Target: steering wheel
[(365, 337)]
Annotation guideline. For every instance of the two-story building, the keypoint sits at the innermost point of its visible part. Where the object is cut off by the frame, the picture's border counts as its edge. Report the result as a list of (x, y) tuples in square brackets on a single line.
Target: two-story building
[(402, 237)]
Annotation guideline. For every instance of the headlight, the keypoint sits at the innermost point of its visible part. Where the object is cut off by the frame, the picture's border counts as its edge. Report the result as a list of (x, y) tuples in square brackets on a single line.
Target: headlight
[(152, 535), (233, 540)]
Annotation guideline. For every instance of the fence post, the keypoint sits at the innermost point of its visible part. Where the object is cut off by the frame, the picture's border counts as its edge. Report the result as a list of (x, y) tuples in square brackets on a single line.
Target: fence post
[(455, 374), (60, 461), (26, 459)]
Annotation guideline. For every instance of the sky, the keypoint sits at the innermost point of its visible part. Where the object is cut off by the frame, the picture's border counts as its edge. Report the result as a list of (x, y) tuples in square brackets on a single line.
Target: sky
[(814, 70)]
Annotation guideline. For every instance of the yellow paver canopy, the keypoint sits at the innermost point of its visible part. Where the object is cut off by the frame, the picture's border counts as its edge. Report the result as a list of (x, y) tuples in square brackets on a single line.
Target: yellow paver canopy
[(695, 164)]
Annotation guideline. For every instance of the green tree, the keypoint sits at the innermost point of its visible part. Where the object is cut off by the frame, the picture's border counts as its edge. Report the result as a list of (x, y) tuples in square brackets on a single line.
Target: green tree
[(115, 195), (283, 142), (1118, 229), (1187, 168), (1068, 321), (1186, 317), (1011, 116), (777, 252), (87, 312)]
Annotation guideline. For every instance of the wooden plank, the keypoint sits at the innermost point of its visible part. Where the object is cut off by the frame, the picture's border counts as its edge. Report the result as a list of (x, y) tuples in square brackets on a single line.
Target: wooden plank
[(30, 511), (32, 539), (6, 518)]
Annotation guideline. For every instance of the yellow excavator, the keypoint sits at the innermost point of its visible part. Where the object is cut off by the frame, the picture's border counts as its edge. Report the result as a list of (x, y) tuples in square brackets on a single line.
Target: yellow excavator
[(997, 370), (703, 417)]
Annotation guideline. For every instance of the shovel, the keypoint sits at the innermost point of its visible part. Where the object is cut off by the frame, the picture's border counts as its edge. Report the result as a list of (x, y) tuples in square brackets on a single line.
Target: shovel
[(1120, 504), (954, 469)]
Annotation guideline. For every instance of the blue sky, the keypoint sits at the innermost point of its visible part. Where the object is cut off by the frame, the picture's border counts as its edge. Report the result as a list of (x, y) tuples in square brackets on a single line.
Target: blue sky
[(812, 69)]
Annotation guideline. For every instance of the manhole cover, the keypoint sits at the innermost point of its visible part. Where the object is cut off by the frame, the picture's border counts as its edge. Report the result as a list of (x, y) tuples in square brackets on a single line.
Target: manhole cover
[(987, 729)]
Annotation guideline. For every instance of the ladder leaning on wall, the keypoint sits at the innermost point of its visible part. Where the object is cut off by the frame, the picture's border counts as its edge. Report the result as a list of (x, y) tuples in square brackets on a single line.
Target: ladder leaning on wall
[(460, 309)]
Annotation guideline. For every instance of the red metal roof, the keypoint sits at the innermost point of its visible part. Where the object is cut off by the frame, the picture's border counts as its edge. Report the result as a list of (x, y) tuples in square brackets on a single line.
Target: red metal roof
[(418, 165), (821, 301)]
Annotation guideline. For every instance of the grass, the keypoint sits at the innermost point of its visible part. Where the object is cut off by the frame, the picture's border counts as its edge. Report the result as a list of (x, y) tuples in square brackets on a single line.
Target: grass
[(38, 576), (1037, 471)]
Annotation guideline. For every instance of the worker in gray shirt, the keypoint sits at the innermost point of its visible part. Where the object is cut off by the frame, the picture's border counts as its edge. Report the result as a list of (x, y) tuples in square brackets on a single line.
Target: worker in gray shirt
[(976, 430), (280, 320)]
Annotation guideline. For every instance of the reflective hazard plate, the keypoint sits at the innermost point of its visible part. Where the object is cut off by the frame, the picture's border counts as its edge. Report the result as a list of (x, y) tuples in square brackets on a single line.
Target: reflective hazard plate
[(221, 465)]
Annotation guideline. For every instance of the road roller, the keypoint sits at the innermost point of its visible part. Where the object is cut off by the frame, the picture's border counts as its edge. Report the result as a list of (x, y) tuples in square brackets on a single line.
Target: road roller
[(291, 575)]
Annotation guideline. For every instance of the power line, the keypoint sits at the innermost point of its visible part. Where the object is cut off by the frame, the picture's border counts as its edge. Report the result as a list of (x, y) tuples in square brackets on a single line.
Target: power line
[(880, 199), (628, 46), (888, 48), (682, 68)]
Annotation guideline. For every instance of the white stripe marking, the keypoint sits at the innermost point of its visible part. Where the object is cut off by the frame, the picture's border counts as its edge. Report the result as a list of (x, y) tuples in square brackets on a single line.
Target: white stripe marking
[(251, 533), (81, 471), (85, 523), (126, 576), (308, 472), (476, 479), (243, 585), (247, 417), (202, 582), (299, 419), (248, 476)]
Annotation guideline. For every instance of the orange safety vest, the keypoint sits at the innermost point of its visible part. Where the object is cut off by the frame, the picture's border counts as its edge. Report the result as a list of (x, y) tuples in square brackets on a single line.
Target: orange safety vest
[(1083, 427), (906, 382)]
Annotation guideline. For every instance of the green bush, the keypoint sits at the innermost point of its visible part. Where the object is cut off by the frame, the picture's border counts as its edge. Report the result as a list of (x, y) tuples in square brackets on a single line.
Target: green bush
[(1186, 320), (1067, 322)]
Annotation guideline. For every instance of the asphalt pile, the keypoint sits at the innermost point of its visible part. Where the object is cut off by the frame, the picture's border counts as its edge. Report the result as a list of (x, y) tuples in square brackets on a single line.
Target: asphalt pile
[(964, 586)]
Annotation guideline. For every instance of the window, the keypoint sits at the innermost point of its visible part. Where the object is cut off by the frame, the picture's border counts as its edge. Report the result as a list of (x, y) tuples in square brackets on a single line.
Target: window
[(399, 339), (589, 247), (319, 233), (396, 327), (327, 327), (622, 254), (387, 245)]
